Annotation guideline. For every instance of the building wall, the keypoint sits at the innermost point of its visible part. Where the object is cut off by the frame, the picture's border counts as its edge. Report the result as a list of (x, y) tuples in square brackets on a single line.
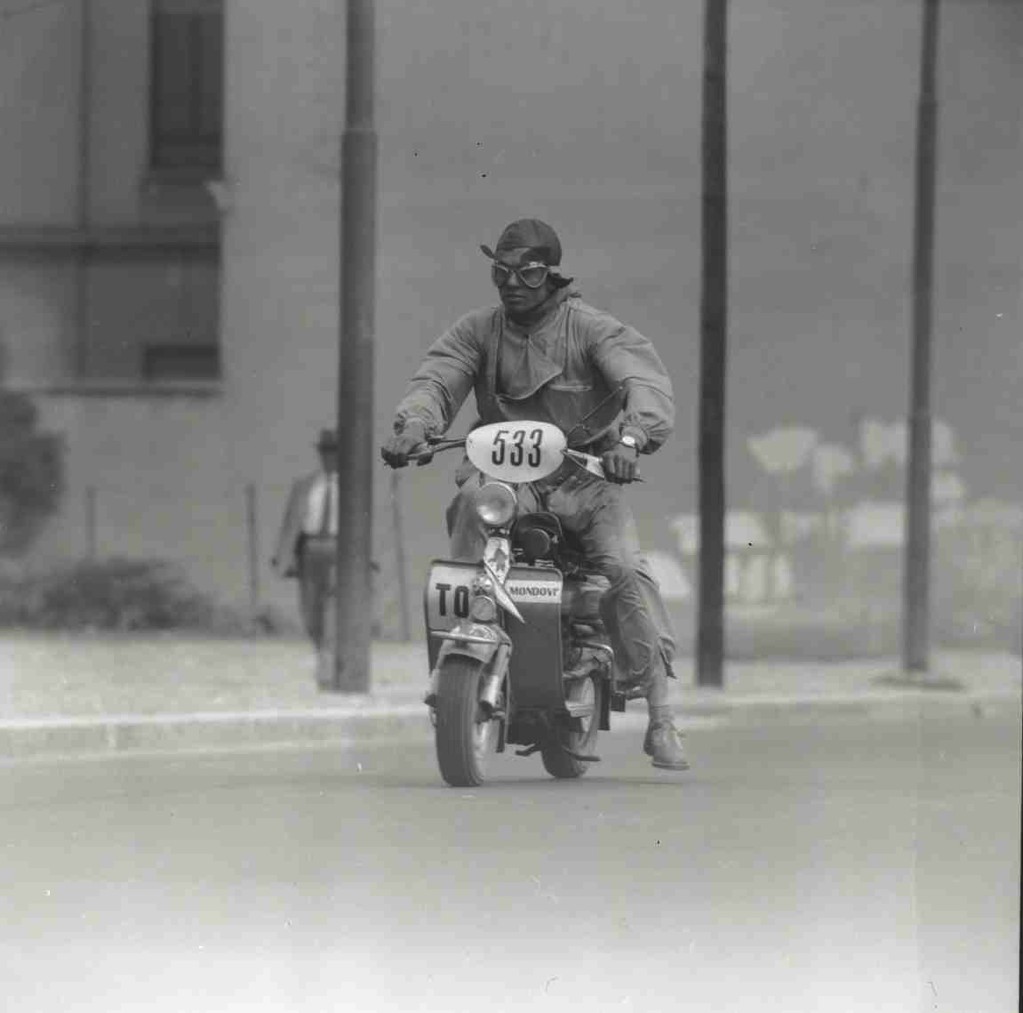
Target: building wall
[(170, 470), (159, 473), (168, 473), (37, 317), (39, 61), (39, 139)]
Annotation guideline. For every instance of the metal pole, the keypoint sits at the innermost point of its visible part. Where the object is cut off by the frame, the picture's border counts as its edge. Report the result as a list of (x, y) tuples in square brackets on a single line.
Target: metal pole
[(353, 597), (399, 552), (710, 633), (252, 527), (82, 257), (90, 522), (916, 583)]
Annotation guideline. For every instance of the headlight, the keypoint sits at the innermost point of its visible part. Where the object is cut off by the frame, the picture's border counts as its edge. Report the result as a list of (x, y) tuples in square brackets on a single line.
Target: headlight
[(483, 609), (495, 504)]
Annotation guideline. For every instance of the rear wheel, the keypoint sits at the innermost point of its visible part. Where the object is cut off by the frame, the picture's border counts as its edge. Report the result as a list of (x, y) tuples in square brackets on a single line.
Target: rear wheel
[(584, 697), (464, 734)]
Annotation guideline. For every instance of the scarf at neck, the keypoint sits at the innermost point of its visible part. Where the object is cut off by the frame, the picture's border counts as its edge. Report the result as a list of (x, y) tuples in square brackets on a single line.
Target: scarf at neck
[(533, 316)]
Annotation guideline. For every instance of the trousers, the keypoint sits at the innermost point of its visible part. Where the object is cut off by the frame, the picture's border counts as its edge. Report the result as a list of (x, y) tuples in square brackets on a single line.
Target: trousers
[(595, 513), (315, 584)]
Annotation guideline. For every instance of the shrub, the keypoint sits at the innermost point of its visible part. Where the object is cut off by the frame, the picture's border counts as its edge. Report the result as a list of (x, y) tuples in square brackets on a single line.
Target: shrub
[(31, 472), (124, 595)]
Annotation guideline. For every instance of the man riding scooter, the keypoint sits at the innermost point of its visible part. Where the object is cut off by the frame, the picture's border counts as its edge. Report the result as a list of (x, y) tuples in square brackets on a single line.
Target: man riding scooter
[(545, 354)]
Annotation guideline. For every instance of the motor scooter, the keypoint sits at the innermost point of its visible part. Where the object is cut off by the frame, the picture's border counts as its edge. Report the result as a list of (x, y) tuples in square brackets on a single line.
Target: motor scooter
[(518, 652)]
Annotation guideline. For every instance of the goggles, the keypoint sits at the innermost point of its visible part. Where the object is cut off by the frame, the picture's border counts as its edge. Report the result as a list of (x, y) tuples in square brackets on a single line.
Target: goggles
[(531, 275)]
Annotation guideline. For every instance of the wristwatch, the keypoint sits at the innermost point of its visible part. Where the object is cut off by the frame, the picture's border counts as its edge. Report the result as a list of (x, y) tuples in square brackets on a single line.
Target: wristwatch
[(630, 441)]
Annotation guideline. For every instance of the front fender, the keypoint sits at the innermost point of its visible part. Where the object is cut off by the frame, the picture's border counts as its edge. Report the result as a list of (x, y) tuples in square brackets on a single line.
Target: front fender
[(476, 641)]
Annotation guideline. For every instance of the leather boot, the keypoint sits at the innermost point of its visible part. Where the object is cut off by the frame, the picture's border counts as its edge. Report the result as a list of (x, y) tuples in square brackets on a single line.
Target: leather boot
[(663, 744)]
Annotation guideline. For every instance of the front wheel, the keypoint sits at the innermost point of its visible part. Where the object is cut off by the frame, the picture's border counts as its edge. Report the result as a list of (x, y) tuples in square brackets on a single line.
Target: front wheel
[(585, 697), (464, 734)]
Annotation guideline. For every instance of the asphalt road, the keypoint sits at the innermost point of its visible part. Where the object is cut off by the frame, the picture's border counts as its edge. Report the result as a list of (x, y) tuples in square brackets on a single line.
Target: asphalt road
[(842, 866)]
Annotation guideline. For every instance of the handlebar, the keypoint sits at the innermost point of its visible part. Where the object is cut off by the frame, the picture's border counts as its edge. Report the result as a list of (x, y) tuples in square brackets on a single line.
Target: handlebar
[(588, 462), (440, 443)]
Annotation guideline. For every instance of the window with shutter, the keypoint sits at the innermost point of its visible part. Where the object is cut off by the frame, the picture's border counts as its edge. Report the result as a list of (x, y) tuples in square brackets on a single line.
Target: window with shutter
[(187, 89)]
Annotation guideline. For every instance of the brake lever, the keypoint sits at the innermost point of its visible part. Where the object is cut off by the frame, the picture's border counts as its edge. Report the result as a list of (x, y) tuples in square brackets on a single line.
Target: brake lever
[(436, 445)]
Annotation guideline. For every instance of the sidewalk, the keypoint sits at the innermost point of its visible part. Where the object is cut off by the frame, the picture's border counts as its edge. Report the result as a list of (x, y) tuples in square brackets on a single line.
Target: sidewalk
[(97, 694)]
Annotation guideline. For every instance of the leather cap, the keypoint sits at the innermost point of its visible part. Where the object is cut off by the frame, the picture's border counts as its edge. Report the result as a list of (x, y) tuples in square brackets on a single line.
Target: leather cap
[(529, 234)]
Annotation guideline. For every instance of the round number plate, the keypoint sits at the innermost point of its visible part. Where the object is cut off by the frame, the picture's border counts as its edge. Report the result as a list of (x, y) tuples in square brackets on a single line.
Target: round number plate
[(516, 451)]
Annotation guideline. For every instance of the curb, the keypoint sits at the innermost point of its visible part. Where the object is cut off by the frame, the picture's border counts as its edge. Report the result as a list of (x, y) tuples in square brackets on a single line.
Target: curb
[(875, 705), (35, 738)]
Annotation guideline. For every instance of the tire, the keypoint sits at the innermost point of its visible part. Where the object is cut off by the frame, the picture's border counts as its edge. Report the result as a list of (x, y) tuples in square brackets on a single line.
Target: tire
[(556, 761), (463, 742)]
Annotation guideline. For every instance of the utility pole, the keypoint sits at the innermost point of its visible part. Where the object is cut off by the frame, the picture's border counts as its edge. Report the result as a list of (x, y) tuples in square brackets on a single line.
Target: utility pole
[(710, 632), (916, 576), (405, 622), (83, 259), (353, 578)]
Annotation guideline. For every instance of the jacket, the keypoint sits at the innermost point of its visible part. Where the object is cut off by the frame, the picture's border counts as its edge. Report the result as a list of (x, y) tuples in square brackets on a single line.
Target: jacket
[(285, 557), (576, 367)]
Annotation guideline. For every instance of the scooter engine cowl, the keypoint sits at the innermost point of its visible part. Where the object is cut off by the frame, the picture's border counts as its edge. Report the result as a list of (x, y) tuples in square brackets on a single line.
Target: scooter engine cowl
[(581, 599)]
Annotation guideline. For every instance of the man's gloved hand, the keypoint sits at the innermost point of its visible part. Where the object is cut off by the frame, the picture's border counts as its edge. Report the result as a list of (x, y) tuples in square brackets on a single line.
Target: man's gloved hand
[(411, 440), (620, 464)]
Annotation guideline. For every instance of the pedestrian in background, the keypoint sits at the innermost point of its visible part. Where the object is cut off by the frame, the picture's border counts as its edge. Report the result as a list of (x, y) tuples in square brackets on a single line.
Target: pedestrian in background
[(306, 544)]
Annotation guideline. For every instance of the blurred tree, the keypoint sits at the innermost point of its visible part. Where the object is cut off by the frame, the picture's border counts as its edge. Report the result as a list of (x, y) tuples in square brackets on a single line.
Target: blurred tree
[(784, 455), (31, 471), (885, 483)]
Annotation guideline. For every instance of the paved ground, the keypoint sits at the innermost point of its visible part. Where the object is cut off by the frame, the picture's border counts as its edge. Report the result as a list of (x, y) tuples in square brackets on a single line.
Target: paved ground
[(75, 694), (854, 865)]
